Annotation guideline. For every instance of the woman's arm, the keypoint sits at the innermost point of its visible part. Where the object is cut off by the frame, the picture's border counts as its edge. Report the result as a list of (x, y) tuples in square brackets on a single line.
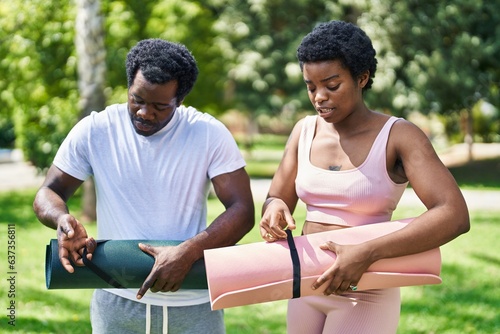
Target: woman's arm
[(446, 217), (282, 198)]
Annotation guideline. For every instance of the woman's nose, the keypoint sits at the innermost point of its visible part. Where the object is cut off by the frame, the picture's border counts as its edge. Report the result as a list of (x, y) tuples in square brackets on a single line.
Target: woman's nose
[(321, 95)]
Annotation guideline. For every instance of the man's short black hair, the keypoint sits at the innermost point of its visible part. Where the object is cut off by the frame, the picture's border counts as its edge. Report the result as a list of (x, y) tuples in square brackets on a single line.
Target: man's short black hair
[(162, 61), (338, 40)]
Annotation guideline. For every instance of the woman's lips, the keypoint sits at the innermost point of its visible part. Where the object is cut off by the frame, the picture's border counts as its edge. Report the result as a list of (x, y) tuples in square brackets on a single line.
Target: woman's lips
[(324, 112)]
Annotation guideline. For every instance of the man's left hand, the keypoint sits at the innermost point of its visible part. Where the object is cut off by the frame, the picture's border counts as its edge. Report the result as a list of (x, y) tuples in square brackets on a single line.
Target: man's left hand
[(169, 270)]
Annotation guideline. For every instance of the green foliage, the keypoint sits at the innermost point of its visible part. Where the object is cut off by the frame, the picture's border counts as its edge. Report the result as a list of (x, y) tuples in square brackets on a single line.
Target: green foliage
[(191, 23), (259, 43), (7, 135), (449, 52), (37, 74), (187, 22), (433, 57), (486, 122), (41, 132)]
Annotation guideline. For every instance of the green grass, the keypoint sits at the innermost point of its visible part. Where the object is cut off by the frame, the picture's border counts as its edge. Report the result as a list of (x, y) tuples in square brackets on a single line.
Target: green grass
[(482, 174), (263, 161), (466, 302)]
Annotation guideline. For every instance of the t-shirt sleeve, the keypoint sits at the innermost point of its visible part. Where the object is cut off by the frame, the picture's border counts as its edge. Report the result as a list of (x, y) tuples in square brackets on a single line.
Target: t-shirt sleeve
[(226, 156), (72, 156)]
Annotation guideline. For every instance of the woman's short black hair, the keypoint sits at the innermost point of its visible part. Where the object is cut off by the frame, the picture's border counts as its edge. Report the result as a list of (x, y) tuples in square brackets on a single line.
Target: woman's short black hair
[(162, 61), (338, 40)]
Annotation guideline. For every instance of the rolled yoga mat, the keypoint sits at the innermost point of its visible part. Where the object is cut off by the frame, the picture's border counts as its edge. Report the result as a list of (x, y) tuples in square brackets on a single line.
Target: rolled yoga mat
[(119, 263), (262, 272)]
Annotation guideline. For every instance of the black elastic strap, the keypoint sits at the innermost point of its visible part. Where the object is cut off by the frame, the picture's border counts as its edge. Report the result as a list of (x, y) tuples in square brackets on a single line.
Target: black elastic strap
[(99, 272), (296, 264)]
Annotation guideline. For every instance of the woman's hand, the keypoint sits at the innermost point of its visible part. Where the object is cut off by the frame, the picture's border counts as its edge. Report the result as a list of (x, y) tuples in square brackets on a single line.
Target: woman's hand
[(275, 220), (351, 263)]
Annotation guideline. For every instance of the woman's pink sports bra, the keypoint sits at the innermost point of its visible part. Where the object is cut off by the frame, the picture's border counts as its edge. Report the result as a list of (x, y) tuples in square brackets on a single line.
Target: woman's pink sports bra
[(359, 196)]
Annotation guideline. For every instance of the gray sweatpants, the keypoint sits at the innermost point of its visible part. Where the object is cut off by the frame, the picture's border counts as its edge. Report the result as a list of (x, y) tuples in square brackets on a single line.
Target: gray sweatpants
[(111, 314)]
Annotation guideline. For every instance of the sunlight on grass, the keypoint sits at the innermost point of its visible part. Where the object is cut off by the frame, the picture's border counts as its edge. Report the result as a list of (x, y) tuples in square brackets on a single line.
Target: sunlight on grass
[(467, 271), (466, 302)]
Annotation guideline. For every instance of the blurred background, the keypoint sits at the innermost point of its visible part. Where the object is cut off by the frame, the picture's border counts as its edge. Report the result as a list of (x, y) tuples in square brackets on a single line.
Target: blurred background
[(438, 63), (438, 66)]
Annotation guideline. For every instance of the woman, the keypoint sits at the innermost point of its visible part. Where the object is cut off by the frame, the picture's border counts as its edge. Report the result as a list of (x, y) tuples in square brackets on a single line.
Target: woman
[(351, 165)]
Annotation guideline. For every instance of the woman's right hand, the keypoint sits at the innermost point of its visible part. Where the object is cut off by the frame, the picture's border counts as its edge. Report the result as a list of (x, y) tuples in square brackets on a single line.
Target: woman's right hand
[(275, 220)]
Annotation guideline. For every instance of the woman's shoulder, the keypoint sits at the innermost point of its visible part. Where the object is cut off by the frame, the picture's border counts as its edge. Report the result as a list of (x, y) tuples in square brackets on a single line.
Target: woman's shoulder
[(303, 122), (405, 128), (407, 138), (307, 121)]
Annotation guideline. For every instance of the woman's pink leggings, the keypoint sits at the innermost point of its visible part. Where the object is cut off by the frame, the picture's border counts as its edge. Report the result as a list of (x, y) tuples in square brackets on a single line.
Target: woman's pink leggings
[(374, 312)]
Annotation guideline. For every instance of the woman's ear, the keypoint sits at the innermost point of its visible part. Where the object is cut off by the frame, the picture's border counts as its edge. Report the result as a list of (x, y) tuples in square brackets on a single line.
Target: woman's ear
[(363, 78)]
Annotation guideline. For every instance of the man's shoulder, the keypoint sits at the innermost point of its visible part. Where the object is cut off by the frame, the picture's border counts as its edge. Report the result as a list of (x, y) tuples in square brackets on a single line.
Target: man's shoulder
[(194, 117), (192, 114), (111, 115), (113, 110)]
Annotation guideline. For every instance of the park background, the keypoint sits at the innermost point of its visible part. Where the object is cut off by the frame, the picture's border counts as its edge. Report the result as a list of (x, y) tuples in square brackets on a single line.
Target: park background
[(438, 66)]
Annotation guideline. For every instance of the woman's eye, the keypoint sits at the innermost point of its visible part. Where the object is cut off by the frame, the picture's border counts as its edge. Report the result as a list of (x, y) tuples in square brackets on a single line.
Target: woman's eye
[(333, 88)]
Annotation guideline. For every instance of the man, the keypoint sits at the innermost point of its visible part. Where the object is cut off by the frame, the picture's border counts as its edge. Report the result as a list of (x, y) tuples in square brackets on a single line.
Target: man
[(152, 160)]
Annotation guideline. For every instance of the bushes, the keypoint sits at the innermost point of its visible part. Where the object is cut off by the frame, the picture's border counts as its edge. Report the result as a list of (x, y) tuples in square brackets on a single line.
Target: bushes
[(41, 132), (7, 135)]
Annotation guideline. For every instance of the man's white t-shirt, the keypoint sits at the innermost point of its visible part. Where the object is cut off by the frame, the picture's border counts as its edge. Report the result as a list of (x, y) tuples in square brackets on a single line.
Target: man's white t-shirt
[(150, 188)]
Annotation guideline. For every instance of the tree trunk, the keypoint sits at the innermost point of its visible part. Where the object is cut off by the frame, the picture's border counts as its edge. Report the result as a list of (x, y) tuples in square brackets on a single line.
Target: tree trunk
[(91, 54), (467, 126)]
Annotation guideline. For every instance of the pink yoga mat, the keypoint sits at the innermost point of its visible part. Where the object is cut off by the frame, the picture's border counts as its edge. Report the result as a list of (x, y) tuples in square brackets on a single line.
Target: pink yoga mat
[(263, 272)]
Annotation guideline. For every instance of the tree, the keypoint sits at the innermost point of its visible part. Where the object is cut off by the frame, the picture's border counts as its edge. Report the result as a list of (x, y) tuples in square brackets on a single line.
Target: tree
[(37, 75), (260, 41), (449, 54), (440, 57), (91, 55)]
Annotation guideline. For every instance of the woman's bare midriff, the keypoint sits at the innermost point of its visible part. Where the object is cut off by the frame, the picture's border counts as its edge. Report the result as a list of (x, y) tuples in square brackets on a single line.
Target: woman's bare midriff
[(315, 227)]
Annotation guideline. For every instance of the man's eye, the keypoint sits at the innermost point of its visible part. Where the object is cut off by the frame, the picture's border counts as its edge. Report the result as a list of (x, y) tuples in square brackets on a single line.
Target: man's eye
[(161, 107)]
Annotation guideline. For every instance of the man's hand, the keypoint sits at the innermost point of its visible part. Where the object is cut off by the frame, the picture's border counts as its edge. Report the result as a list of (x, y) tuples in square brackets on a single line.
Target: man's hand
[(169, 270), (72, 239)]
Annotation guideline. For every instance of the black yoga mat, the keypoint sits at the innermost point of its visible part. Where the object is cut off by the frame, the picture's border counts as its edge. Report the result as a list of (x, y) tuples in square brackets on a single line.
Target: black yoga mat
[(120, 263)]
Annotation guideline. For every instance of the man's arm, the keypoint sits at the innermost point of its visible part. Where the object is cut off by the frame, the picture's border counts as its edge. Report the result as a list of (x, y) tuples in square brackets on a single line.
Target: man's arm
[(50, 200), (51, 209), (233, 190), (173, 263)]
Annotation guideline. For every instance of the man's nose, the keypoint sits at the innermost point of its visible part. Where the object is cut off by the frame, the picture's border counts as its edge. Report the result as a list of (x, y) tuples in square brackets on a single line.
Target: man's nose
[(146, 111)]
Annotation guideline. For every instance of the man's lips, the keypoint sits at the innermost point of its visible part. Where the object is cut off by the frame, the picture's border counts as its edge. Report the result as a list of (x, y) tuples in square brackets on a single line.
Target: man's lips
[(143, 126)]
